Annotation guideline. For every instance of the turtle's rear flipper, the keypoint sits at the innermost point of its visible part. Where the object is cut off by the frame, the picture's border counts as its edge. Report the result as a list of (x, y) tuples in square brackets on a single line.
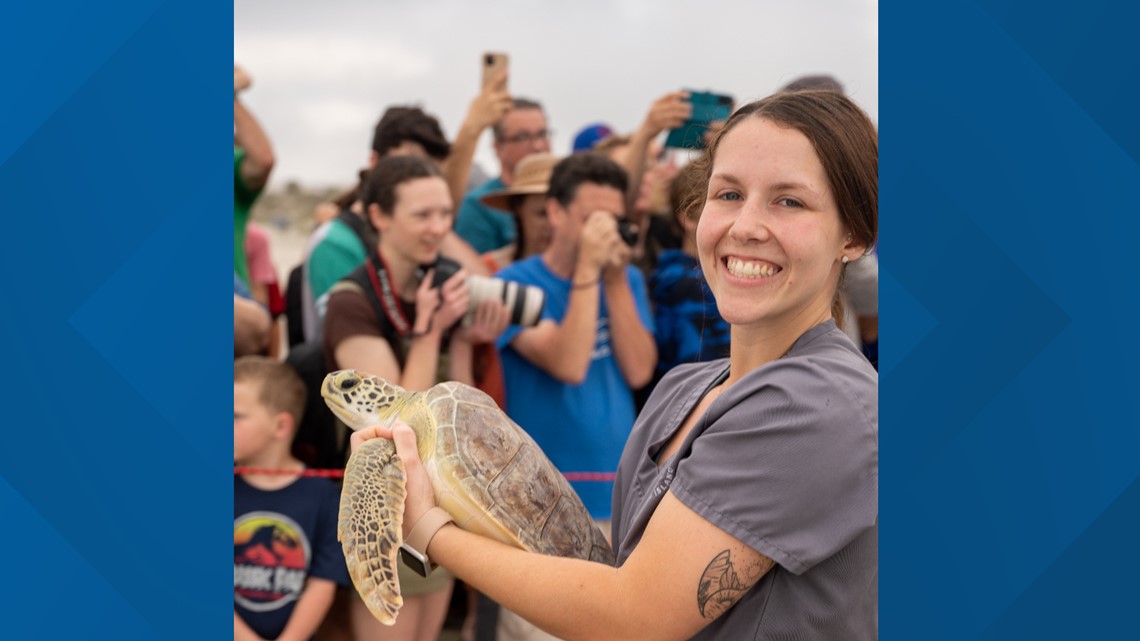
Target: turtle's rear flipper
[(369, 529)]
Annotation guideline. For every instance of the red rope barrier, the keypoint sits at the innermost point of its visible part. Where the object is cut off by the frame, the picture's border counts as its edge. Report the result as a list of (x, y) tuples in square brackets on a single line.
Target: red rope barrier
[(328, 474), (589, 476), (336, 474)]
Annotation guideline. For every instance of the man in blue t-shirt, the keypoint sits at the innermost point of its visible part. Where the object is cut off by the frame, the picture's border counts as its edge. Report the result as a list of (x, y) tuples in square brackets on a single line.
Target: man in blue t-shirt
[(570, 378)]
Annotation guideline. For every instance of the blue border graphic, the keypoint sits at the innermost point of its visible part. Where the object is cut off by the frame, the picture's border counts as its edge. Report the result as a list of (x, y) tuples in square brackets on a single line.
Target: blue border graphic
[(1009, 445), (1010, 453), (114, 161)]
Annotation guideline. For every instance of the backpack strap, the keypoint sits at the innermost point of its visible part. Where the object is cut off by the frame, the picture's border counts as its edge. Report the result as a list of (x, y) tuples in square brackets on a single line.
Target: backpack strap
[(360, 227), (361, 281)]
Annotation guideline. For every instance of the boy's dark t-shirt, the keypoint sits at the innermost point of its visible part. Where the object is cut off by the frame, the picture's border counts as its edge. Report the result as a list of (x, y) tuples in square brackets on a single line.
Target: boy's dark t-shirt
[(281, 538)]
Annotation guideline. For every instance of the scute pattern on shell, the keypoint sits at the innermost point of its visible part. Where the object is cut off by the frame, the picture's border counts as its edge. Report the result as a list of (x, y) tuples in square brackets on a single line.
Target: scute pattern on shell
[(370, 525), (485, 470)]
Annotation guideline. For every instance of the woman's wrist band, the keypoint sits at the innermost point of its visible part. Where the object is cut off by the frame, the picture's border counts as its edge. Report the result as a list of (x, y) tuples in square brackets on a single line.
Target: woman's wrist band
[(420, 537), (591, 283)]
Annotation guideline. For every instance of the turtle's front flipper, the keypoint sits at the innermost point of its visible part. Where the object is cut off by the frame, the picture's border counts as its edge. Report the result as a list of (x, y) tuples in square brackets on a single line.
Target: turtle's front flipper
[(371, 517)]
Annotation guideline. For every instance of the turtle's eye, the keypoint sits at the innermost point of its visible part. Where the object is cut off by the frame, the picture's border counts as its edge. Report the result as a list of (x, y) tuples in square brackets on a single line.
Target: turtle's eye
[(350, 383)]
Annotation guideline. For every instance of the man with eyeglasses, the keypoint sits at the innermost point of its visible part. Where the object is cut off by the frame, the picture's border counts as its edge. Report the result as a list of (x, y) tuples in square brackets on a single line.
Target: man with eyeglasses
[(522, 131)]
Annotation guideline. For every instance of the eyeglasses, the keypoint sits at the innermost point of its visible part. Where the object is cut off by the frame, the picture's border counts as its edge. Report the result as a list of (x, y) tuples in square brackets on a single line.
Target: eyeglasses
[(525, 137)]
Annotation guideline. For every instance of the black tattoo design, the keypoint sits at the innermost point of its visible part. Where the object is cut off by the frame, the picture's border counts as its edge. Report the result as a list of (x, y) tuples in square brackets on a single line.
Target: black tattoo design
[(721, 587)]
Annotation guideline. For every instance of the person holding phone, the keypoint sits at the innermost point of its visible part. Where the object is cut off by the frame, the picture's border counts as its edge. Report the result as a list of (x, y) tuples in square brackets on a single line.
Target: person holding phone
[(388, 318), (745, 504), (522, 131)]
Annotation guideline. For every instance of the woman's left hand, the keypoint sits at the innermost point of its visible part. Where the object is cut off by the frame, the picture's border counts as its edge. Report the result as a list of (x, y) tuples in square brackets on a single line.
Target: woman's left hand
[(454, 297), (420, 497)]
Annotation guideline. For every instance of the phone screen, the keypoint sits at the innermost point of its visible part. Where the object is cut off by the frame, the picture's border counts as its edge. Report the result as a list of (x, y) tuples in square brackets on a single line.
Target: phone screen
[(707, 108)]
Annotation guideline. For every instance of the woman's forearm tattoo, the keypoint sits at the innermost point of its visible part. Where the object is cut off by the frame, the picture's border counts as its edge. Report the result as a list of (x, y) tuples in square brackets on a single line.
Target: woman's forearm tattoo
[(721, 586)]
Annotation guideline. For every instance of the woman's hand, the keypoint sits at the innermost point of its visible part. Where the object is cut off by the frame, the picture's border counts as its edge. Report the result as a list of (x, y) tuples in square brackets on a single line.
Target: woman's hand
[(421, 497), (455, 300), (427, 301), (489, 320)]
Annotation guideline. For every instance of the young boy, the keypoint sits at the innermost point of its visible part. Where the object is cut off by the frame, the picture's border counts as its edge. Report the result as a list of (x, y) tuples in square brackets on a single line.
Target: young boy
[(287, 561)]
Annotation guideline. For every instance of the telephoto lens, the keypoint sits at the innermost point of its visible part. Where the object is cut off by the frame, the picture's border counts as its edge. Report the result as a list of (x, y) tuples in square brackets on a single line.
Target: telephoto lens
[(524, 302)]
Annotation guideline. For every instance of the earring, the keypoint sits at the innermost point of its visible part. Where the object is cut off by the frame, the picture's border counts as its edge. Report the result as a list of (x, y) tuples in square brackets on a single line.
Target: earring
[(844, 260)]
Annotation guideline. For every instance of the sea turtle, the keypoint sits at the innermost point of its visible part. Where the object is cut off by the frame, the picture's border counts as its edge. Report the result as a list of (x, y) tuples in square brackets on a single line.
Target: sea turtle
[(486, 472)]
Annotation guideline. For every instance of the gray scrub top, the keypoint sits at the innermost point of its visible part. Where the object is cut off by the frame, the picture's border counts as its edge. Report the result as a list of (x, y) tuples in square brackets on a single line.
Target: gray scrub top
[(786, 461)]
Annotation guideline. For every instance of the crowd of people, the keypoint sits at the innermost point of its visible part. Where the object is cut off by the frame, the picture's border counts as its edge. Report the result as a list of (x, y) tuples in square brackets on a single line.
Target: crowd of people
[(705, 353)]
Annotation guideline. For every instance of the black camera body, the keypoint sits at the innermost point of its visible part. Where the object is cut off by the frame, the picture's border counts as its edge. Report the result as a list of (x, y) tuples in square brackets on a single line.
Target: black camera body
[(444, 268), (627, 231)]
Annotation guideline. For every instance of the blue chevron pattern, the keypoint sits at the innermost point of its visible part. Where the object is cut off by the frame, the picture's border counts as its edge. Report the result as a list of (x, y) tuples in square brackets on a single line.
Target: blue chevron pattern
[(1010, 449), (114, 483)]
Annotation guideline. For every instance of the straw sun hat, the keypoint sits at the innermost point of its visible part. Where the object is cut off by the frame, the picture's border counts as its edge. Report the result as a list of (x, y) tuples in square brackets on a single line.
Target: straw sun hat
[(532, 176)]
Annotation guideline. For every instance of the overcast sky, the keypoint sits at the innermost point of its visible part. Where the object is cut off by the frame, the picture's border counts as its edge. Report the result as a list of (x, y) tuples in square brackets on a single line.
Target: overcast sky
[(323, 72)]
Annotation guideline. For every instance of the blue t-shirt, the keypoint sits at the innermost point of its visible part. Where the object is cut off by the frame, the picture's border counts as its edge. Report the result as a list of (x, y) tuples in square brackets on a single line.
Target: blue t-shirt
[(485, 228), (581, 428), (281, 538)]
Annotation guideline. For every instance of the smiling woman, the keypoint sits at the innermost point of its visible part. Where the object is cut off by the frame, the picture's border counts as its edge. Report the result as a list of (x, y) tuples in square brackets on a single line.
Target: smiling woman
[(782, 224), (746, 501)]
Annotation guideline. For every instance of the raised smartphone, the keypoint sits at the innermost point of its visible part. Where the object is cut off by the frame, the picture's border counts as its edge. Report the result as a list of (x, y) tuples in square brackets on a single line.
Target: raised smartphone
[(708, 107), (493, 63)]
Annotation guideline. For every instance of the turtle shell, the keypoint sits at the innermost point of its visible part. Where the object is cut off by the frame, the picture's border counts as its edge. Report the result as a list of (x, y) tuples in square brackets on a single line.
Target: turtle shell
[(491, 476), (485, 471)]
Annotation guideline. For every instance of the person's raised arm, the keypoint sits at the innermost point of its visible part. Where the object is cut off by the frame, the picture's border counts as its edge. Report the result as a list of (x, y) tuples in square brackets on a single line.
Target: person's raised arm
[(667, 112), (249, 135), (684, 573), (564, 350), (634, 346), (486, 109)]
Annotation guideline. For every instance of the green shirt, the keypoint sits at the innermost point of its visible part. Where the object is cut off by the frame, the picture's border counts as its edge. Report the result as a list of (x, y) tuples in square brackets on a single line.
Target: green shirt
[(243, 201)]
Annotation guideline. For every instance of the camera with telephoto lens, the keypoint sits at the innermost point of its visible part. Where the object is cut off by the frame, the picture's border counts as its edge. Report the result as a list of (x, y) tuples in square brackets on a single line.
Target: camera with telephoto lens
[(524, 302), (627, 232)]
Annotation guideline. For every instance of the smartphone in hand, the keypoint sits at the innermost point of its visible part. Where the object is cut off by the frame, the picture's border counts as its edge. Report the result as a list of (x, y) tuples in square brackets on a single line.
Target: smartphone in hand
[(493, 63), (708, 108)]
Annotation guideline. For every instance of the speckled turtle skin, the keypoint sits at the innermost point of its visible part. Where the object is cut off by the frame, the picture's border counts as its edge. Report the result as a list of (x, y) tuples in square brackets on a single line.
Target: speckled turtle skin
[(485, 470)]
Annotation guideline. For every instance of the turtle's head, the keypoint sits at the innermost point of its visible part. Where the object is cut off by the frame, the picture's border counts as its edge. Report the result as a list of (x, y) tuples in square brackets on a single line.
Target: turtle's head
[(361, 400)]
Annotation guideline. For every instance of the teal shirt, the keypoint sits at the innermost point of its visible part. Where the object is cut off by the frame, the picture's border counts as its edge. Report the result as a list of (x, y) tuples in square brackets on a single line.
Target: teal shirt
[(337, 254), (485, 228)]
